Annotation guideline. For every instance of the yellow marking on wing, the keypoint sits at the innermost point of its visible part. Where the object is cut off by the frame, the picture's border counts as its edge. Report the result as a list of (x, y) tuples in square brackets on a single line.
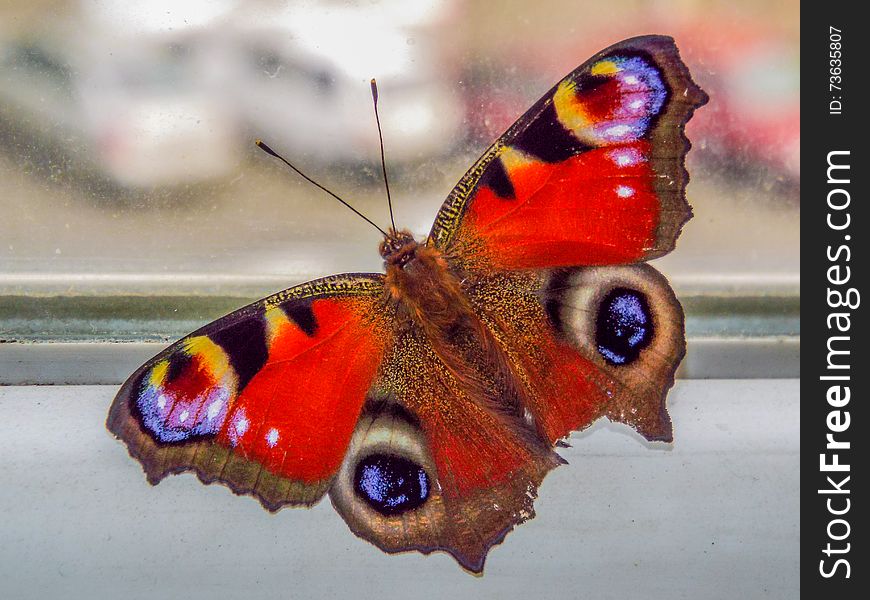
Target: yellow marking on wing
[(512, 158), (276, 319), (158, 374), (571, 112), (605, 67), (210, 353)]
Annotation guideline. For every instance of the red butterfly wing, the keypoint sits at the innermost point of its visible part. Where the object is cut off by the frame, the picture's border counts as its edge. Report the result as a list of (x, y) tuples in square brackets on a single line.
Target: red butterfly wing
[(576, 361), (265, 399), (592, 174), (479, 472)]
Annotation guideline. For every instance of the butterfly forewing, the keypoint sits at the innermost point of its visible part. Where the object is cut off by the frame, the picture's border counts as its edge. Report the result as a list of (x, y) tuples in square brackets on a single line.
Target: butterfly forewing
[(592, 174), (242, 401)]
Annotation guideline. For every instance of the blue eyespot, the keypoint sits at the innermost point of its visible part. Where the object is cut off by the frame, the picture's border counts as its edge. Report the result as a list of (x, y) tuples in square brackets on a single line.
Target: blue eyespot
[(623, 327), (391, 484)]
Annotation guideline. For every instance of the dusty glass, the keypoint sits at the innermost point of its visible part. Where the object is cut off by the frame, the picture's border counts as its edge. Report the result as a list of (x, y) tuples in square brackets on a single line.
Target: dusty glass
[(135, 205)]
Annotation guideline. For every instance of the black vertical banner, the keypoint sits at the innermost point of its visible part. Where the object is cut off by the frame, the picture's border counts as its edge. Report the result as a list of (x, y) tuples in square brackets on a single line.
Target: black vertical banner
[(834, 258)]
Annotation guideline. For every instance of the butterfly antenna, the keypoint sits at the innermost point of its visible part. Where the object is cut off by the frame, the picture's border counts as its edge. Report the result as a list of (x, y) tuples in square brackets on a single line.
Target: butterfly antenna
[(383, 160), (265, 148)]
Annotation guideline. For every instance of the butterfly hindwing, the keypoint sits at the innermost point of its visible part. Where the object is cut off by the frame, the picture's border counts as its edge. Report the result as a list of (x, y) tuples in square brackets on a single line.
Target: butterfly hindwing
[(244, 400), (627, 322), (592, 174), (467, 476), (588, 342)]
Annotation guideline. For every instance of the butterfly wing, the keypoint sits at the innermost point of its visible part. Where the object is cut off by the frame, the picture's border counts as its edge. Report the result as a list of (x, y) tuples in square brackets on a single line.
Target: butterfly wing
[(265, 399), (588, 342), (430, 468), (592, 174)]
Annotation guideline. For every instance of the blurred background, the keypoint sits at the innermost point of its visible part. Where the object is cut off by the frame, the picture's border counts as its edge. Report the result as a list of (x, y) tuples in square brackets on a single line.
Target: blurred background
[(134, 207), (128, 170)]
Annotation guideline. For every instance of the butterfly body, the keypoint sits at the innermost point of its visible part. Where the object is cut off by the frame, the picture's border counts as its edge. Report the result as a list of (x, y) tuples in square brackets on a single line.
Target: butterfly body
[(425, 291), (427, 400)]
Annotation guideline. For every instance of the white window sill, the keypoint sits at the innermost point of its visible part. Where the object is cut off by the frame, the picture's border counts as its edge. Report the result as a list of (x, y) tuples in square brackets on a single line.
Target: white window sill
[(715, 515)]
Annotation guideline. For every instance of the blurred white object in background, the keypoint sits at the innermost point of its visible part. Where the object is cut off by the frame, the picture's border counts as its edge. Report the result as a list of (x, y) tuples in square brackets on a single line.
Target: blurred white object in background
[(155, 17), (153, 121), (164, 94), (150, 120), (122, 104), (306, 72)]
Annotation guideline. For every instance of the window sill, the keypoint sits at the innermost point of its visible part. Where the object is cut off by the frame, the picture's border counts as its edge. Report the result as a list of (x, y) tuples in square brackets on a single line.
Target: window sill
[(624, 519), (101, 339), (110, 363)]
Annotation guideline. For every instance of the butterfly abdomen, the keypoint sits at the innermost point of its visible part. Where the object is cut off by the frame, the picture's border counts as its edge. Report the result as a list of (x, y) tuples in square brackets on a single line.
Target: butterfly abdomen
[(430, 297)]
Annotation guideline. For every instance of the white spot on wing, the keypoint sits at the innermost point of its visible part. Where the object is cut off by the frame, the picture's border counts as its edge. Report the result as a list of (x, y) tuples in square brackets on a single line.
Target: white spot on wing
[(272, 437), (617, 131), (626, 157), (242, 426), (238, 427), (214, 409), (624, 191)]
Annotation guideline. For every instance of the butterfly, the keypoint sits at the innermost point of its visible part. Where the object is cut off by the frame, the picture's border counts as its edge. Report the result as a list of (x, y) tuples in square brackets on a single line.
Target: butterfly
[(428, 400)]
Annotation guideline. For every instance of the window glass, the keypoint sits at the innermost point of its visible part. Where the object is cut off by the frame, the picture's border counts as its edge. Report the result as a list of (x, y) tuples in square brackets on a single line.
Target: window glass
[(128, 167)]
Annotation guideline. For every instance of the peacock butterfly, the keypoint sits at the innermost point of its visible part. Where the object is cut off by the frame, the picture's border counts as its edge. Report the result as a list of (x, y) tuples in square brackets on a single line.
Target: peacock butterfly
[(428, 400)]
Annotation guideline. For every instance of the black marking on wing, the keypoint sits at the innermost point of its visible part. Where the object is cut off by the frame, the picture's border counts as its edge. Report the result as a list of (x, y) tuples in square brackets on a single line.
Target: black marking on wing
[(177, 362), (554, 295), (624, 326), (381, 407), (302, 314), (391, 485), (545, 138), (496, 178), (136, 382), (245, 344), (587, 82)]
